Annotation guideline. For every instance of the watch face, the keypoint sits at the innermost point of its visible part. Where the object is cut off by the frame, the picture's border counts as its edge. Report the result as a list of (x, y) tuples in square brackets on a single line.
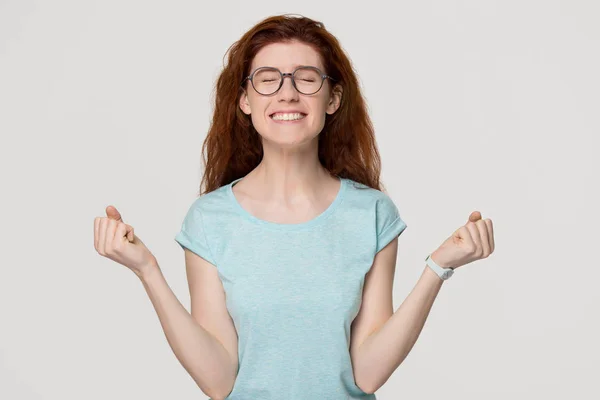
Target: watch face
[(448, 274)]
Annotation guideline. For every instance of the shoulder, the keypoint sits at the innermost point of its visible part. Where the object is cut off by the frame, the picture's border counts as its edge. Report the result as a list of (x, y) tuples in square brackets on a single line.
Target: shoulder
[(380, 210), (211, 202), (207, 211), (368, 196), (202, 225)]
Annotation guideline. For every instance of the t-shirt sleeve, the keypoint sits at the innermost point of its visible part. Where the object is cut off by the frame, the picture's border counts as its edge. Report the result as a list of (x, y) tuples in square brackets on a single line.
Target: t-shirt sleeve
[(389, 223), (192, 234)]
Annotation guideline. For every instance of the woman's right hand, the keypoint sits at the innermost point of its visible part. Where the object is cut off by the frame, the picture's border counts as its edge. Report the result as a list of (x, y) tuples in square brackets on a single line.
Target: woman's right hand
[(115, 240)]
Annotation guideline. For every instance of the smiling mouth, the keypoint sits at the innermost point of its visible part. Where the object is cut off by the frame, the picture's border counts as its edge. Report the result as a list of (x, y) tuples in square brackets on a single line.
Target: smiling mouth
[(287, 116)]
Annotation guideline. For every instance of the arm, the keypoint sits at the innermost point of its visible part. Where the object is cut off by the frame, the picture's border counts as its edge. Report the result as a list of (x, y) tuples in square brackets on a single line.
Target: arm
[(382, 340), (201, 354)]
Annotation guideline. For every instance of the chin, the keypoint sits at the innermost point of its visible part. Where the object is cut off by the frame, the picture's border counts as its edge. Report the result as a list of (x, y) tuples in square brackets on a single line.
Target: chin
[(286, 138)]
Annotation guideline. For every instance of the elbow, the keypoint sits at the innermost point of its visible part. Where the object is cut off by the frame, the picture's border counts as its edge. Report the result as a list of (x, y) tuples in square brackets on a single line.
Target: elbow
[(368, 389), (220, 386), (218, 395), (216, 389), (368, 383), (366, 386), (222, 391)]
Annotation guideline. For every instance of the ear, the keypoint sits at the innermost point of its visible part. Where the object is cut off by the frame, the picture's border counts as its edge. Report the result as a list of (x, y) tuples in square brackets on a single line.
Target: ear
[(335, 99), (244, 103)]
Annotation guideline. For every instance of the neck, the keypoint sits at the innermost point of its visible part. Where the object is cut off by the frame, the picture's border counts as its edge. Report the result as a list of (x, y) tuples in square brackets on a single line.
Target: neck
[(289, 176)]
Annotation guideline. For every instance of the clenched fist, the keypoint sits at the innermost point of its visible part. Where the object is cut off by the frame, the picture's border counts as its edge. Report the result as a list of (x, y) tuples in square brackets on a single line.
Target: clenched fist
[(115, 239), (472, 241)]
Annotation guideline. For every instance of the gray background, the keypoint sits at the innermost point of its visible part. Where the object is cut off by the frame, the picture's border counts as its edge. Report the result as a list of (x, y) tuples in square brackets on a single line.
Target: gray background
[(478, 105)]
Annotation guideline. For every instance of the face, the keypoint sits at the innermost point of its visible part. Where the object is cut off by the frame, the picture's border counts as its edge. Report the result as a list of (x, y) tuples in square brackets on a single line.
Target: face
[(266, 111)]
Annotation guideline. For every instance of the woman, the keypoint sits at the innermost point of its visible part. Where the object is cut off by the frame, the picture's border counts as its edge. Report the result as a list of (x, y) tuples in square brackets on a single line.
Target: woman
[(290, 251)]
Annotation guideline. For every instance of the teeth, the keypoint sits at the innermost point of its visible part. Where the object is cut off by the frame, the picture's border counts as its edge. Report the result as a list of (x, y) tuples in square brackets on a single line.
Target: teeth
[(287, 116)]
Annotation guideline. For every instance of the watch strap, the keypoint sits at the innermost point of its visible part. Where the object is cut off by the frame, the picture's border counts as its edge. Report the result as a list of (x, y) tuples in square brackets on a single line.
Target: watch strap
[(443, 273)]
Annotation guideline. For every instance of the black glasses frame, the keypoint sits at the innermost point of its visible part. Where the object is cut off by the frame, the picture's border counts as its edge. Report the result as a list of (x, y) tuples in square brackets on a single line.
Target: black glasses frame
[(291, 75)]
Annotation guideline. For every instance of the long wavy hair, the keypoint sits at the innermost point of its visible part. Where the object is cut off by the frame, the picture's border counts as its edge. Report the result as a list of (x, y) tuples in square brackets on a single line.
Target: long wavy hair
[(232, 148)]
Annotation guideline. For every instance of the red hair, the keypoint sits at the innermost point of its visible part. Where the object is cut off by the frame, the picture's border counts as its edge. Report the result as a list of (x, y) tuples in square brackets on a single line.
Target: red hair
[(232, 148)]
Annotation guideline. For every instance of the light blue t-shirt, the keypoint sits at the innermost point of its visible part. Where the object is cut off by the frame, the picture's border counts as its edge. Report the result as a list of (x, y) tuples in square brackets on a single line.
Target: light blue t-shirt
[(293, 290)]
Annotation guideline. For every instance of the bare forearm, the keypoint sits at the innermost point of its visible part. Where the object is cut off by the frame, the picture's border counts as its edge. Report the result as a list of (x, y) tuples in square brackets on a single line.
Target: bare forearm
[(384, 350), (199, 352)]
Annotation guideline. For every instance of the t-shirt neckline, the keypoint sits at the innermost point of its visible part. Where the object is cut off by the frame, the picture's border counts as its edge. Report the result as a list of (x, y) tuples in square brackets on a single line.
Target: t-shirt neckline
[(275, 225)]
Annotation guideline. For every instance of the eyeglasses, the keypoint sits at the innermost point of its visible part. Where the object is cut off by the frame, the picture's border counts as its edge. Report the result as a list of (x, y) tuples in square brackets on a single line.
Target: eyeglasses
[(268, 80)]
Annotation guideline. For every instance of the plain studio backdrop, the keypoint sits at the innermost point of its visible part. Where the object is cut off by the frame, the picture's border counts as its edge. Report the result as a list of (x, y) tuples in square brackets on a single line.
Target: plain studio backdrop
[(478, 105)]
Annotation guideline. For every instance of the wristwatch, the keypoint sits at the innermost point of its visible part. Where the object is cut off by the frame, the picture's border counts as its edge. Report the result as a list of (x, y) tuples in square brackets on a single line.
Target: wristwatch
[(443, 273)]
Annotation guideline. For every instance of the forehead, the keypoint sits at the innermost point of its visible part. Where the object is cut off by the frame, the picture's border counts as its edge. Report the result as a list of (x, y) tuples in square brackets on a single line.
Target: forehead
[(286, 56)]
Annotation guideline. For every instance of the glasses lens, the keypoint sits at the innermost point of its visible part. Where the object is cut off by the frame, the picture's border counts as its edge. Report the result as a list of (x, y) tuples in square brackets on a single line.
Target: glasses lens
[(266, 80), (308, 80)]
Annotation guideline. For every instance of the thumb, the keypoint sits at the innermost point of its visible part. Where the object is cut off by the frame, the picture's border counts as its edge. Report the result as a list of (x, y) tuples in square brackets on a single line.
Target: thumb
[(475, 215), (113, 213)]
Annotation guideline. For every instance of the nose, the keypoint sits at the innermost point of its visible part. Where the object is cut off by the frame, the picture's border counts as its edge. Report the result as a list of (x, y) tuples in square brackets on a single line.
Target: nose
[(287, 92)]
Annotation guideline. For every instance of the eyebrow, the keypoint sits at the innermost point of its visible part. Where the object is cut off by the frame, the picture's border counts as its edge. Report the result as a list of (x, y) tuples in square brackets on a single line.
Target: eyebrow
[(293, 66)]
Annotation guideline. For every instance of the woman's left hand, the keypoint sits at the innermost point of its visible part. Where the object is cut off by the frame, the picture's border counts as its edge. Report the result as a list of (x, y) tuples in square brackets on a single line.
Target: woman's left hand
[(470, 242)]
